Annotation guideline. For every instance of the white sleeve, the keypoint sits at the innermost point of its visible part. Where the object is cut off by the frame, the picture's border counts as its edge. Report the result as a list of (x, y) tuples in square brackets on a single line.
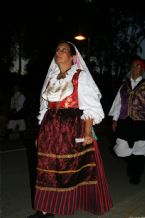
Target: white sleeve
[(42, 111), (116, 106), (89, 99)]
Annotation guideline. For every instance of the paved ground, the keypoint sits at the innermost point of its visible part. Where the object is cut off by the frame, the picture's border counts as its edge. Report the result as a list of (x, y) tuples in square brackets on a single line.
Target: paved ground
[(17, 173)]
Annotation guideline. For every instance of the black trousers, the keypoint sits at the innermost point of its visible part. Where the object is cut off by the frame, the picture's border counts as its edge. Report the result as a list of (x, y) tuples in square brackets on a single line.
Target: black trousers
[(135, 165), (130, 130)]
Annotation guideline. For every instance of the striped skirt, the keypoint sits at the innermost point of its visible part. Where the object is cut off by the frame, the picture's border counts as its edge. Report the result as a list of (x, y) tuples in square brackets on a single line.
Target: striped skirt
[(70, 176)]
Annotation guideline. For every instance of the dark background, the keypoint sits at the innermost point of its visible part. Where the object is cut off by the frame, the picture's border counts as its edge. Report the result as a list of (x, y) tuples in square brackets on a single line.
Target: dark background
[(42, 25)]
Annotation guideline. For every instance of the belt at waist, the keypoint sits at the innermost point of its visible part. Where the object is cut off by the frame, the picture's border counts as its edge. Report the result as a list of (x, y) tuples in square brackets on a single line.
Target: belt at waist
[(57, 105)]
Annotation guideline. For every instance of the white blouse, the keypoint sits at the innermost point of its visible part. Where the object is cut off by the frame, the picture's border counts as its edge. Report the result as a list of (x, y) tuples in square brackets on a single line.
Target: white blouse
[(88, 94)]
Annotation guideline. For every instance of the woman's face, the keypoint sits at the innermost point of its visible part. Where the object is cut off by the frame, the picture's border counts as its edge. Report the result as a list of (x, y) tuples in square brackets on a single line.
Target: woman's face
[(63, 54)]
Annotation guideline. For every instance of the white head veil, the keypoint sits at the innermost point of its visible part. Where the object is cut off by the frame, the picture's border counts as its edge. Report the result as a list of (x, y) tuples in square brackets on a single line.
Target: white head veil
[(79, 61)]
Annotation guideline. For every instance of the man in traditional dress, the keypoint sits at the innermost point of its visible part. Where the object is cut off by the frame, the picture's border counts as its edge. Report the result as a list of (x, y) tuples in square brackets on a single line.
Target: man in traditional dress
[(17, 113), (128, 111)]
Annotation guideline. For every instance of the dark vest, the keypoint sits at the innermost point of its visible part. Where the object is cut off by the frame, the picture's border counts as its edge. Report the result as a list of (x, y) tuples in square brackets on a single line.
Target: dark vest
[(133, 101)]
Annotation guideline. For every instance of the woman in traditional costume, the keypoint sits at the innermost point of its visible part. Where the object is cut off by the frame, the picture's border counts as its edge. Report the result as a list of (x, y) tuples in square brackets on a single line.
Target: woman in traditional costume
[(70, 174)]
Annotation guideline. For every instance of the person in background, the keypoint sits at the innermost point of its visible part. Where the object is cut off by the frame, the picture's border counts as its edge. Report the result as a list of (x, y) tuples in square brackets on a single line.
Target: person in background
[(70, 174), (128, 112), (16, 120)]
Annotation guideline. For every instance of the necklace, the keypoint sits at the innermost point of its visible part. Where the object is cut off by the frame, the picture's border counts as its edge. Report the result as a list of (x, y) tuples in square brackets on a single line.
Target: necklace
[(62, 75)]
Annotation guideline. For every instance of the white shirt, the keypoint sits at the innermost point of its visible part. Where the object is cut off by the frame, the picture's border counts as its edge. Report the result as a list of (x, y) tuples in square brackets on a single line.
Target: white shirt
[(17, 101), (88, 96)]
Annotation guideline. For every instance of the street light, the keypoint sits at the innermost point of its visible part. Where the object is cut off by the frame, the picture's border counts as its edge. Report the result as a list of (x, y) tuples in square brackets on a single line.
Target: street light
[(81, 37)]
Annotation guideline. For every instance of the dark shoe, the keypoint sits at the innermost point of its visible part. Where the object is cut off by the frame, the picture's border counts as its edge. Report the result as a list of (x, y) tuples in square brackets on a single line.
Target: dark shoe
[(40, 215), (134, 180)]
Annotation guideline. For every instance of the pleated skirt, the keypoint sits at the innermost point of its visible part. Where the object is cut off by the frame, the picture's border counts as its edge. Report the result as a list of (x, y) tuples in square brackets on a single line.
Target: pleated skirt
[(70, 176)]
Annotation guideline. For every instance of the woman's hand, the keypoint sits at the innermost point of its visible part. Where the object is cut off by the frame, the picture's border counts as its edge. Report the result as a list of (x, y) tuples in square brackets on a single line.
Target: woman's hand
[(88, 140), (88, 136)]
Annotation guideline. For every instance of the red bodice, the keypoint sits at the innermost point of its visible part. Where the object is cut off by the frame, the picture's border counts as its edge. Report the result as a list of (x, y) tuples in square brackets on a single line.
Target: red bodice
[(70, 101)]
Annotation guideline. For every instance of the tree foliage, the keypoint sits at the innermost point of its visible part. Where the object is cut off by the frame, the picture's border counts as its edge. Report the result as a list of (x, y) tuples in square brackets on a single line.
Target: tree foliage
[(123, 41)]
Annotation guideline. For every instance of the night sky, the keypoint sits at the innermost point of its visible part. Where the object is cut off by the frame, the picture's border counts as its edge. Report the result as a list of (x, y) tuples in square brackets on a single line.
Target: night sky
[(44, 24)]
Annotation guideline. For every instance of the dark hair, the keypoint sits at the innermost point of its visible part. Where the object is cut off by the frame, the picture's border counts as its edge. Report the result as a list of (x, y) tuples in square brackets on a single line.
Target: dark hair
[(72, 48)]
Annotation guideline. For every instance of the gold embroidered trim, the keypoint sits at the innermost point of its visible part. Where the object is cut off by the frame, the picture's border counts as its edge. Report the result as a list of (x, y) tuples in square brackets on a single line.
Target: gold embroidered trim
[(66, 155), (66, 171), (66, 189)]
